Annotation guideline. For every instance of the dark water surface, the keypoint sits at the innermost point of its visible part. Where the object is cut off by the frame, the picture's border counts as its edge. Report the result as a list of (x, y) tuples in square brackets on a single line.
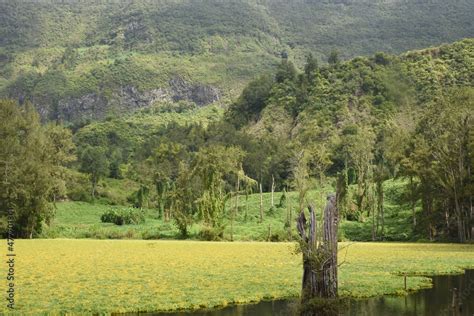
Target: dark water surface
[(435, 301), (429, 302)]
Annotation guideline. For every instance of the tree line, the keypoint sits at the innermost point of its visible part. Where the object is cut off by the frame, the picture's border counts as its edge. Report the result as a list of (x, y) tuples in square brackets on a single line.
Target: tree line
[(362, 122)]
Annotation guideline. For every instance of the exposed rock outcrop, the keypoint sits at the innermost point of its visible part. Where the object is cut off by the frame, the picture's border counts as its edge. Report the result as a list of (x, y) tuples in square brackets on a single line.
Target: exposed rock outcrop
[(90, 106), (129, 98), (197, 93), (95, 106)]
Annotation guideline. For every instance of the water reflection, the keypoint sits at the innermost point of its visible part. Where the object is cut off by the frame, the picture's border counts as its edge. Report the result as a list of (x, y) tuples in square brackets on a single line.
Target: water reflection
[(435, 301), (430, 302), (271, 308)]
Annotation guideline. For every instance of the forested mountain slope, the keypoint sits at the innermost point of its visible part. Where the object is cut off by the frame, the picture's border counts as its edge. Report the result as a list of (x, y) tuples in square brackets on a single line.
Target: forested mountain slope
[(363, 90), (80, 61), (368, 120), (393, 128)]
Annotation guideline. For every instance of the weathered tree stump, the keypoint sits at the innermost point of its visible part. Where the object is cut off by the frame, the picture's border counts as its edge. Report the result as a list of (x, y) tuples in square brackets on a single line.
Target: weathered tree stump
[(319, 253)]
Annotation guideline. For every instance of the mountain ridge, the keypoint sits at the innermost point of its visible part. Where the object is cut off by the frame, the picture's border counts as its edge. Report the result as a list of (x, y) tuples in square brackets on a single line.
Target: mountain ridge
[(54, 51)]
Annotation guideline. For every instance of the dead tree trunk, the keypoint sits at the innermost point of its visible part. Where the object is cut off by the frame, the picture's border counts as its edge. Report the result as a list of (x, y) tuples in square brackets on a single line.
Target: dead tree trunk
[(413, 201), (380, 207), (319, 253)]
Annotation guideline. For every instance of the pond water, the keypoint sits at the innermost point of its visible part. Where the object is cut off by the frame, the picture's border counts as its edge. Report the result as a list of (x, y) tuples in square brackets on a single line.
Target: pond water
[(429, 302)]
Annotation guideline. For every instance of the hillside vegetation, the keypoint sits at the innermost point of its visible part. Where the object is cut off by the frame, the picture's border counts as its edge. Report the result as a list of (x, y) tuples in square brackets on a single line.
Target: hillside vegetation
[(174, 155), (75, 56), (382, 130), (83, 219)]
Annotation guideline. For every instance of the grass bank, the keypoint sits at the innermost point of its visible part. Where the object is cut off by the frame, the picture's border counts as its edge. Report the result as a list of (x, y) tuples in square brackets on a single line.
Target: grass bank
[(103, 276), (82, 220)]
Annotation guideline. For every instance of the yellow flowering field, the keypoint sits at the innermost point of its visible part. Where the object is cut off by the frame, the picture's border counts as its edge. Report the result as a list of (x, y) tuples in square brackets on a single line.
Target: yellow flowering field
[(85, 276)]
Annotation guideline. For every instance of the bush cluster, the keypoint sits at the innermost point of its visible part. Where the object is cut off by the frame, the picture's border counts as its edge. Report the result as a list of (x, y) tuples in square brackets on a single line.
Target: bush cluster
[(208, 233), (124, 216)]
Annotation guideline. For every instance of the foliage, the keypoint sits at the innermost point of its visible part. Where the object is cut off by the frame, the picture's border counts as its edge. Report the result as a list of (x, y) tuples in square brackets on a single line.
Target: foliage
[(123, 216), (251, 102), (140, 197), (301, 179), (81, 48), (362, 119), (212, 165), (182, 198), (82, 220), (32, 158), (93, 162), (438, 155)]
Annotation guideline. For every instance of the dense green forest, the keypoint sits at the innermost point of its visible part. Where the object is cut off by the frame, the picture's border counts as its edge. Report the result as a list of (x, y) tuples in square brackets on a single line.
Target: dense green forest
[(244, 157), (363, 126), (107, 58)]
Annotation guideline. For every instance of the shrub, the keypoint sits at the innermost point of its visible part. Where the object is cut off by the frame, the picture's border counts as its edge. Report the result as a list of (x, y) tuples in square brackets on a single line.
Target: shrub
[(111, 197), (272, 211), (341, 235), (278, 236), (282, 203), (211, 234), (78, 187), (151, 234), (125, 216)]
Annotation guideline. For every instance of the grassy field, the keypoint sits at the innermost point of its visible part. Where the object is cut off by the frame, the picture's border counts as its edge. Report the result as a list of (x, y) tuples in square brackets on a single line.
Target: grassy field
[(85, 276), (82, 220)]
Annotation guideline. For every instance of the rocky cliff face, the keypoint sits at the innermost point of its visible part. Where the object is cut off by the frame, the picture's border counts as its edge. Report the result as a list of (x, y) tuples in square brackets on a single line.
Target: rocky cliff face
[(95, 106), (89, 106), (129, 97), (199, 94)]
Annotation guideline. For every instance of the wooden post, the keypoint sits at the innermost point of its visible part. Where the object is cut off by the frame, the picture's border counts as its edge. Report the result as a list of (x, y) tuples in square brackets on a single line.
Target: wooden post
[(380, 206), (405, 280), (273, 190), (413, 202), (372, 206), (288, 214), (246, 205), (319, 254), (232, 228), (237, 195), (237, 205), (261, 203), (235, 209)]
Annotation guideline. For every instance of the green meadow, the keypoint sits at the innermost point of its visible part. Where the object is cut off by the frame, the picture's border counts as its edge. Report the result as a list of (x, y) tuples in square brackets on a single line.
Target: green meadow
[(82, 219), (104, 276)]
